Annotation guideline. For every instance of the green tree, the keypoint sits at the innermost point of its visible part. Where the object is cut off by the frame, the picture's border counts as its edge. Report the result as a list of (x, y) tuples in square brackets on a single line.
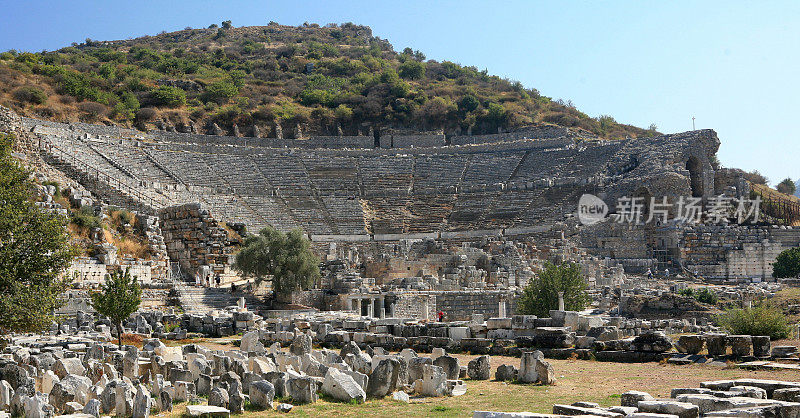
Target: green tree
[(468, 103), (762, 319), (118, 298), (787, 264), (220, 91), (540, 296), (169, 96), (496, 114), (412, 70), (129, 100), (34, 251), (787, 186), (343, 112), (287, 258)]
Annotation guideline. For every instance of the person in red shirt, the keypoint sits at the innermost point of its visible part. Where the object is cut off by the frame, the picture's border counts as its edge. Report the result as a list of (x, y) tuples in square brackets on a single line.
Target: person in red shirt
[(441, 316)]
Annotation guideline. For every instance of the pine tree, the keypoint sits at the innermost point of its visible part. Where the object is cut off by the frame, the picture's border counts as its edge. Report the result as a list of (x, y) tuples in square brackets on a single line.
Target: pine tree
[(119, 297)]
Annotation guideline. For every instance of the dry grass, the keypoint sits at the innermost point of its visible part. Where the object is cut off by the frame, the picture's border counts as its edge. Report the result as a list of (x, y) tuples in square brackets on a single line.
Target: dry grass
[(578, 380), (785, 299), (131, 247), (775, 195), (768, 191), (133, 339), (127, 245)]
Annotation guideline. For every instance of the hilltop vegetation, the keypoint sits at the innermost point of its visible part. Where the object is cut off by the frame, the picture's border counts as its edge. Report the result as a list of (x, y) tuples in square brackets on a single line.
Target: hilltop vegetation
[(321, 78)]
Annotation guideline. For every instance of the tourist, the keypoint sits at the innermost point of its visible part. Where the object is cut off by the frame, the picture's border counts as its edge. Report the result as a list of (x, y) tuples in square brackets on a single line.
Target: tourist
[(233, 288), (649, 274), (218, 279), (441, 316), (666, 273)]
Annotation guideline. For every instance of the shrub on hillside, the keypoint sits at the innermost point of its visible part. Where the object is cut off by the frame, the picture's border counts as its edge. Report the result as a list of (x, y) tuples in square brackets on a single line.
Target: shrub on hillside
[(759, 320), (85, 218), (787, 264), (30, 94), (704, 295), (755, 177), (412, 70), (220, 92), (146, 114), (93, 109), (169, 96)]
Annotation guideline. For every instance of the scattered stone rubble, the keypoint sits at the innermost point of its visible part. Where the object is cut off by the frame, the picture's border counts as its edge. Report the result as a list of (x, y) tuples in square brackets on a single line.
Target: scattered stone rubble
[(47, 376), (721, 398), (78, 370)]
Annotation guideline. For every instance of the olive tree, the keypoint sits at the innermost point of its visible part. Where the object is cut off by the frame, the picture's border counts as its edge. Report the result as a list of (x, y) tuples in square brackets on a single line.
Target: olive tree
[(541, 294), (286, 259)]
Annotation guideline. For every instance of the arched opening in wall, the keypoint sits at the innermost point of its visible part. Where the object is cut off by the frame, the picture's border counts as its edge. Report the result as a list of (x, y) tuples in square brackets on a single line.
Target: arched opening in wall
[(695, 176)]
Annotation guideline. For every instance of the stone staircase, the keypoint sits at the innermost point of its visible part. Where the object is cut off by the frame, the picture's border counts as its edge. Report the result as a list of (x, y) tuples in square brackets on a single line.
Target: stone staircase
[(202, 300)]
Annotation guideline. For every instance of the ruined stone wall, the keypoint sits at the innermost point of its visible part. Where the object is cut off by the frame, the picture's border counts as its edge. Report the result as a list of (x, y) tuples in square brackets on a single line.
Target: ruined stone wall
[(668, 166), (91, 272), (79, 300), (461, 305), (615, 240), (413, 141), (195, 239), (314, 298), (540, 132), (396, 268), (734, 251), (412, 305), (457, 305)]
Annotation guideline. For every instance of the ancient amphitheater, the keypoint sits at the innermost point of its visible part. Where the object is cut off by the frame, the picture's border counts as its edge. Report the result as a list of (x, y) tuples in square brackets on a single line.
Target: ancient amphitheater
[(360, 188), (356, 190)]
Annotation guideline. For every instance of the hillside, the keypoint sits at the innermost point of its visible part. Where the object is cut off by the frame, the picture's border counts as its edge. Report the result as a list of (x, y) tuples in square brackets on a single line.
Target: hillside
[(261, 80), (777, 206)]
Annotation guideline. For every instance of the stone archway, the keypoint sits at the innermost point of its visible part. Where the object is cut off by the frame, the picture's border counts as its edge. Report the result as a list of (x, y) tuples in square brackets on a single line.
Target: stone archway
[(695, 176)]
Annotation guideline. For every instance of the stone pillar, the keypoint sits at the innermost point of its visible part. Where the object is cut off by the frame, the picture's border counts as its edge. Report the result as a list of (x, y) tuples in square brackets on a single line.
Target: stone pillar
[(372, 313), (358, 306), (425, 307), (561, 301), (501, 309), (382, 312)]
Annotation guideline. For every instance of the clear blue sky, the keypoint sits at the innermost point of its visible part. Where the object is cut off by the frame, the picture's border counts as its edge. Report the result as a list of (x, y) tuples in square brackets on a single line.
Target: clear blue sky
[(733, 65)]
